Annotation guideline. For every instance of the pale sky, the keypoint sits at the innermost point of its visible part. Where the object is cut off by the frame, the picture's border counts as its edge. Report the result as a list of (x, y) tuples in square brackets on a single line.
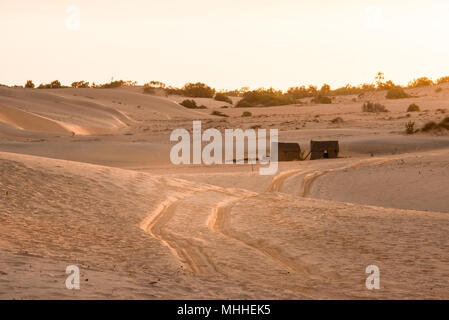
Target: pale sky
[(226, 44)]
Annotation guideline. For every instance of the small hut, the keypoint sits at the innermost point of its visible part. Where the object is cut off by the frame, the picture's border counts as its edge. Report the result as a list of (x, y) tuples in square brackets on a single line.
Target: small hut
[(324, 149), (288, 151)]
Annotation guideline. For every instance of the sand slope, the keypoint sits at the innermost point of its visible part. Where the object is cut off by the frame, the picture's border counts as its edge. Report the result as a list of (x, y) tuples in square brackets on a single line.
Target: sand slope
[(84, 111), (139, 235), (140, 227)]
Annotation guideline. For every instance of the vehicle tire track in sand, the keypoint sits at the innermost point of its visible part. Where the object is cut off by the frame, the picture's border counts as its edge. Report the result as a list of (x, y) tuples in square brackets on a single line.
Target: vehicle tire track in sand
[(187, 250), (183, 248), (278, 181), (219, 222), (311, 178)]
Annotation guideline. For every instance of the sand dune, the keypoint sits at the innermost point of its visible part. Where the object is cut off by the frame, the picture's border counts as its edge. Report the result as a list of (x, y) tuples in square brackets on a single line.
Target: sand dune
[(84, 111), (191, 240), (27, 121), (108, 200)]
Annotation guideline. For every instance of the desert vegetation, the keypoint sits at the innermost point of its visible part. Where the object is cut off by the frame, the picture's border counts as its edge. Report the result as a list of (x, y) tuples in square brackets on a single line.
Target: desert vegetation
[(396, 93), (246, 114), (433, 126), (218, 113), (222, 97), (410, 127), (264, 98), (191, 104), (442, 80), (52, 85), (337, 120), (114, 84), (151, 86), (80, 84), (373, 107), (322, 99), (197, 90), (420, 82), (413, 108), (29, 84)]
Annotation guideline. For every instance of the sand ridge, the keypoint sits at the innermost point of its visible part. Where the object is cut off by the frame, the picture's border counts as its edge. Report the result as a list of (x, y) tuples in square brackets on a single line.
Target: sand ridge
[(108, 200)]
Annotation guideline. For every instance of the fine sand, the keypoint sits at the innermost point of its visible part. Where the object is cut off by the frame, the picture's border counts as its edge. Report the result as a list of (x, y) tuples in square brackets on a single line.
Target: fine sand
[(86, 180)]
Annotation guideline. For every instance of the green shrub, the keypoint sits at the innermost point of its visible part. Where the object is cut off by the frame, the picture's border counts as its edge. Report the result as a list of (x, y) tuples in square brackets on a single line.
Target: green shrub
[(112, 84), (244, 104), (373, 107), (246, 114), (432, 125), (264, 98), (52, 85), (218, 113), (172, 90), (151, 86), (396, 93), (420, 82), (148, 90), (29, 84), (191, 104), (445, 123), (322, 99), (443, 80), (222, 97), (337, 120), (413, 108), (198, 90), (80, 84), (410, 127)]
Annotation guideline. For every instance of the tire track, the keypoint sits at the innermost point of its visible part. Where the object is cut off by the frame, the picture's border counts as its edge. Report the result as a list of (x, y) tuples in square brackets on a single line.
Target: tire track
[(278, 181), (186, 250), (311, 178), (220, 222)]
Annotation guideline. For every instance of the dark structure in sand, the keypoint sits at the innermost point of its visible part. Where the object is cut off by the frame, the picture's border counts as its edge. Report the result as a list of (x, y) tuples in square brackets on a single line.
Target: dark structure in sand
[(324, 149), (289, 151)]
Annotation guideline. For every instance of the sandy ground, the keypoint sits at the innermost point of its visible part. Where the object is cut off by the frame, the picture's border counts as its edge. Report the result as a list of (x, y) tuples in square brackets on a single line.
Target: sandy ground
[(86, 180)]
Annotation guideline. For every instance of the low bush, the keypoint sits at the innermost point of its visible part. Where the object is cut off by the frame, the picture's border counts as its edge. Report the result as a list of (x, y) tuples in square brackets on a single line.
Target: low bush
[(322, 99), (438, 90), (218, 113), (222, 97), (337, 120), (246, 114), (264, 98), (112, 84), (443, 80), (244, 104), (413, 108), (29, 84), (52, 85), (433, 126), (151, 86), (191, 104), (80, 84), (420, 82), (410, 127), (396, 93), (373, 107), (198, 90)]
